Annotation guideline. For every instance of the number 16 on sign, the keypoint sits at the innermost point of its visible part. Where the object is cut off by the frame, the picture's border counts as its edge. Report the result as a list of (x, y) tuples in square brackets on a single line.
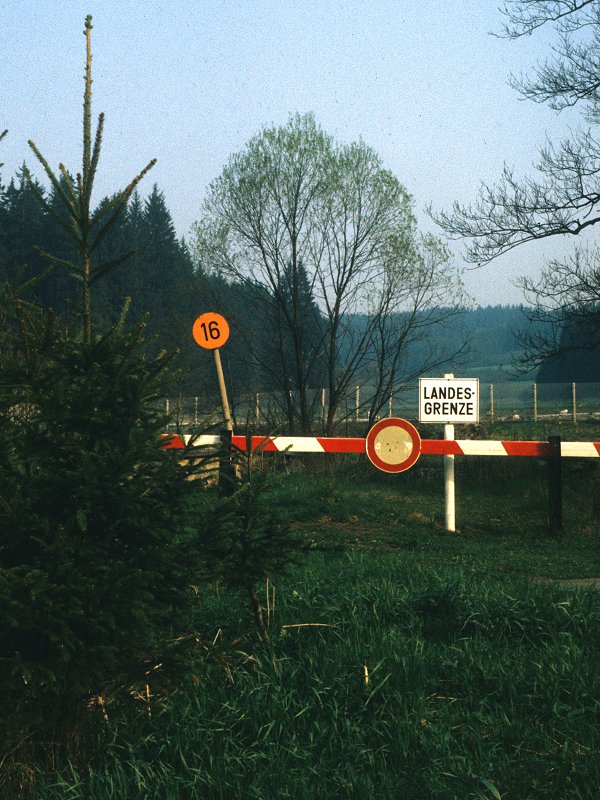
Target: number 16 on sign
[(211, 331)]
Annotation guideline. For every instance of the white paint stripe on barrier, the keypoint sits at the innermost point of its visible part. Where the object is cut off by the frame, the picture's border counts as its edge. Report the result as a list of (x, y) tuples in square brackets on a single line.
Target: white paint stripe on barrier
[(202, 441), (581, 449), (472, 447), (298, 444)]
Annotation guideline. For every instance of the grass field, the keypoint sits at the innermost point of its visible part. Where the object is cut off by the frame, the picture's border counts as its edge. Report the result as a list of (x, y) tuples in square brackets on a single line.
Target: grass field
[(392, 680), (406, 662)]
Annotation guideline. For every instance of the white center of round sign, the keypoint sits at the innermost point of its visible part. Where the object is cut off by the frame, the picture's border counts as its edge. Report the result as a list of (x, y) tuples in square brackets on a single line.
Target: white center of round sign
[(393, 445)]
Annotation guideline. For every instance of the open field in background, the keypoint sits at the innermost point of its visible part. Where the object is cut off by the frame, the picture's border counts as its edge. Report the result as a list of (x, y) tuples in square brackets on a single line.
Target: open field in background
[(407, 662), (498, 401)]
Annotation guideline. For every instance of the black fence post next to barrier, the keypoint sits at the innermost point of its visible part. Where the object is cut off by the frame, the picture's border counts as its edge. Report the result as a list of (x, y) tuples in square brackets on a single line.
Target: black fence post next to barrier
[(555, 520)]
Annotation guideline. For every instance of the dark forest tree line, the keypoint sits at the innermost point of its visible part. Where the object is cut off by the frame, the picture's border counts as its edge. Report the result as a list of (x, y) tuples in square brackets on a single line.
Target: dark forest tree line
[(165, 287), (158, 275)]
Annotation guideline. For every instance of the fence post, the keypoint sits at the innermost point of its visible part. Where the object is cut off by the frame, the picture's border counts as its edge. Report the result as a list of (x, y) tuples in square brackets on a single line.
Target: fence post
[(574, 395), (257, 408), (195, 410), (535, 403), (357, 403), (555, 521), (390, 408), (323, 405), (492, 401)]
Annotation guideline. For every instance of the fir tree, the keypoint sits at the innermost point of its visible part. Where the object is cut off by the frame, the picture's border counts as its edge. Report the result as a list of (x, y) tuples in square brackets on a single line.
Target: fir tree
[(25, 225), (96, 558), (88, 229)]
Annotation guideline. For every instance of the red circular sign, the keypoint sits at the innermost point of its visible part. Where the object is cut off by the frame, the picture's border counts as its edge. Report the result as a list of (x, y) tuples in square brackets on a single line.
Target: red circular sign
[(393, 445)]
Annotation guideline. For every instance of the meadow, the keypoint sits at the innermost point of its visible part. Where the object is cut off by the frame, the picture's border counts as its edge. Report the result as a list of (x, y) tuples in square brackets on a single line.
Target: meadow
[(390, 679), (405, 662)]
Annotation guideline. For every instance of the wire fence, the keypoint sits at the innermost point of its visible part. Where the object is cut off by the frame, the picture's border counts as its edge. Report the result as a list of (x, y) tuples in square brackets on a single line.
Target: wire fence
[(509, 400)]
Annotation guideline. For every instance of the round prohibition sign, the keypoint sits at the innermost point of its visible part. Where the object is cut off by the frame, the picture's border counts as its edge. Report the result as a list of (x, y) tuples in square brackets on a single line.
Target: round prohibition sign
[(393, 445), (210, 330)]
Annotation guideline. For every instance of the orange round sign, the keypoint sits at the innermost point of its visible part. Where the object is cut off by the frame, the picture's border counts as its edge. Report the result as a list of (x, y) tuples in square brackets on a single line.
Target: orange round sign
[(393, 445), (210, 330)]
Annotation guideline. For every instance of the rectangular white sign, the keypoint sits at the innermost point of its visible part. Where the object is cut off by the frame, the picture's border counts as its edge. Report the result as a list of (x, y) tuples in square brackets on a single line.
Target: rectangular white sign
[(449, 400)]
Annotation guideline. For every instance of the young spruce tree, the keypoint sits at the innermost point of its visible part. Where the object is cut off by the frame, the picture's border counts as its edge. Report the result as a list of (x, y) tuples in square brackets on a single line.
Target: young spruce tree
[(96, 565)]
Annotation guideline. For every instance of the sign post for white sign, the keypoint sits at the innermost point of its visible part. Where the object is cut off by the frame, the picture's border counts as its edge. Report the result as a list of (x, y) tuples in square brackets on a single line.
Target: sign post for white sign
[(449, 400)]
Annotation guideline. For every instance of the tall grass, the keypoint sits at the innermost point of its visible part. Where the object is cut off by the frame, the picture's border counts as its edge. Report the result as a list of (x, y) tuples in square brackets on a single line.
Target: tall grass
[(393, 681)]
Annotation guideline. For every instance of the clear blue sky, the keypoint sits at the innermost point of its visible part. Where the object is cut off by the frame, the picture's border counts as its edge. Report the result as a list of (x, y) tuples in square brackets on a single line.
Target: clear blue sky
[(190, 81)]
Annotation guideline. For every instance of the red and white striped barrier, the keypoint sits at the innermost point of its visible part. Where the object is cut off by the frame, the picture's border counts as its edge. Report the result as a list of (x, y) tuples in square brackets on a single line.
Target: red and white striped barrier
[(323, 444)]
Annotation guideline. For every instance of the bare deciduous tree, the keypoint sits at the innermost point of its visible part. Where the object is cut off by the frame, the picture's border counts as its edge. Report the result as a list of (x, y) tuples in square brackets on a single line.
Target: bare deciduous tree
[(320, 232), (563, 195)]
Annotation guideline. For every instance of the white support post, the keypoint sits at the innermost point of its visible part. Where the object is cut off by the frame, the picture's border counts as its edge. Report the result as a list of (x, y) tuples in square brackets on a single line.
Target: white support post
[(449, 483), (449, 476)]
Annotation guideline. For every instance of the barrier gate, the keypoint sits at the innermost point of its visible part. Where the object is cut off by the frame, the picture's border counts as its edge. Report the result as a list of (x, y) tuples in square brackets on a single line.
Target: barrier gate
[(394, 445)]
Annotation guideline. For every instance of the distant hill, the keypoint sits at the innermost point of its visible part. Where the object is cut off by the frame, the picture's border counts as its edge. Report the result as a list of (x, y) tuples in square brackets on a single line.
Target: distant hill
[(492, 333), (492, 349)]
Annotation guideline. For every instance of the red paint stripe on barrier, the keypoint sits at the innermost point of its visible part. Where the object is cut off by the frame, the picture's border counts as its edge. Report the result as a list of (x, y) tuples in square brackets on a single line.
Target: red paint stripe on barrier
[(172, 441), (597, 446), (263, 443), (526, 448), (340, 445), (440, 447)]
